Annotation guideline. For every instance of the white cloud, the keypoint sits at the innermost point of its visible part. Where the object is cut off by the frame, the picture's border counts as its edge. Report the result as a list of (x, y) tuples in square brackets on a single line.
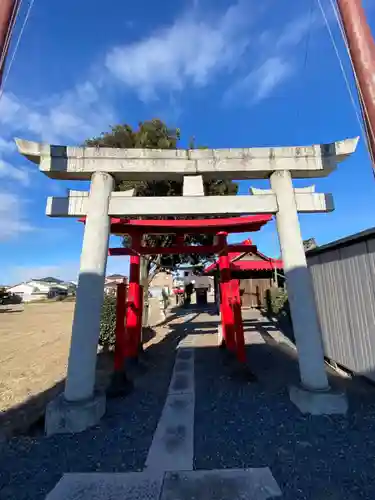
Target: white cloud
[(275, 63), (65, 270), (261, 82), (294, 31), (6, 146), (71, 116), (8, 171), (12, 221), (189, 52)]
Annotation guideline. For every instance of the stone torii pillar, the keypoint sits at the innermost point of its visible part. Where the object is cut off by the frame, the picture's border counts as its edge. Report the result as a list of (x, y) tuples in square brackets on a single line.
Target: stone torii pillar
[(314, 395), (299, 285), (79, 408)]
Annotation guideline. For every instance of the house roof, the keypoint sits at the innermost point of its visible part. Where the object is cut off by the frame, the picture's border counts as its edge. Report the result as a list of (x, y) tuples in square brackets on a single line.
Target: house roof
[(110, 285), (237, 264), (48, 279)]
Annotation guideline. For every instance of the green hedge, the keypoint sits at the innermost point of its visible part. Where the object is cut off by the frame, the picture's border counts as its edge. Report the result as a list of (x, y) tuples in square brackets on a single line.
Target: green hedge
[(278, 307), (277, 302), (107, 336)]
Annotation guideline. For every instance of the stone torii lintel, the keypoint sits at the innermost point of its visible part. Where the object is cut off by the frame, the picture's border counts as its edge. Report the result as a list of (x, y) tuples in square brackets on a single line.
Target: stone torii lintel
[(303, 190), (77, 163), (120, 204)]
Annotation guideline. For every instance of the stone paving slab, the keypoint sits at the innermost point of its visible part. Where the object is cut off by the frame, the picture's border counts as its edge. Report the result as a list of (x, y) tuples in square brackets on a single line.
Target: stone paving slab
[(224, 484), (129, 486), (173, 443), (172, 446)]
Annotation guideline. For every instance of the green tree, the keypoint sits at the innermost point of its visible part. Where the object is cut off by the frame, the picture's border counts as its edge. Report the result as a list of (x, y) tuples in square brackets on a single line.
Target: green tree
[(155, 134)]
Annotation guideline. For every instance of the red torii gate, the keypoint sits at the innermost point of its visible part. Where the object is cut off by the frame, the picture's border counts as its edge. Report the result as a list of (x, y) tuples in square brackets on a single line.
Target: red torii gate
[(230, 299), (129, 309)]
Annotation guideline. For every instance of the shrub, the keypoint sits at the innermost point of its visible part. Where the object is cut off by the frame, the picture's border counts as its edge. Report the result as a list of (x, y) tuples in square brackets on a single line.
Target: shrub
[(278, 306), (107, 336), (277, 301)]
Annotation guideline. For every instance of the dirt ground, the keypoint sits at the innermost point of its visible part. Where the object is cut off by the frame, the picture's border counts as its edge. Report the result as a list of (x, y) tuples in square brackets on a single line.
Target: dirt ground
[(34, 346)]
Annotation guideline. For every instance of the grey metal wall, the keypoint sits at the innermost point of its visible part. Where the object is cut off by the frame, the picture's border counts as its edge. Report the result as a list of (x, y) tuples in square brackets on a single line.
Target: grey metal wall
[(344, 283)]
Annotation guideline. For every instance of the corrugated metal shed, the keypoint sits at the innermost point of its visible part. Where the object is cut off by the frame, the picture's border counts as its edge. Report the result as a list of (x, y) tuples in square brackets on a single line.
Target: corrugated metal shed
[(343, 274)]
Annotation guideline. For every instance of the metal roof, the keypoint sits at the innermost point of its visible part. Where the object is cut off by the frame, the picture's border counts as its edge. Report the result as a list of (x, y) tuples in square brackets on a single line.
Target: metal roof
[(344, 242)]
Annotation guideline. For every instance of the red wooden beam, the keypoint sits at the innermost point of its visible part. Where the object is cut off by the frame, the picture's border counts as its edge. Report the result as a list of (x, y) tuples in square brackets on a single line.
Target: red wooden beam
[(188, 226), (193, 226), (185, 249)]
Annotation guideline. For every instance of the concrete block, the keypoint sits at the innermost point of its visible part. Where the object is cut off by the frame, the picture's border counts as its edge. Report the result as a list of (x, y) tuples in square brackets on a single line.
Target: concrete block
[(193, 185), (318, 403), (220, 337), (102, 486), (172, 446), (63, 416), (225, 484)]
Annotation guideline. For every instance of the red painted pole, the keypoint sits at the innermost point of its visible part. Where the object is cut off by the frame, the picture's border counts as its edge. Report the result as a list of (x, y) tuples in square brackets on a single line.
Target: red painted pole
[(239, 331), (139, 319), (227, 318), (135, 267), (134, 309), (8, 9), (120, 327), (362, 51)]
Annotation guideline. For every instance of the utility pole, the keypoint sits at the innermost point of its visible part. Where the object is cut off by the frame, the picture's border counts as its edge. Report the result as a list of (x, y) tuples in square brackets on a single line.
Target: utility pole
[(362, 52), (8, 9)]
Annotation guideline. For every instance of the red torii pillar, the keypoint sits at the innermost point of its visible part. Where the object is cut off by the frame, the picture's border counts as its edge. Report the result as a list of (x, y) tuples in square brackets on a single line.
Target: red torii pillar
[(120, 385), (226, 311), (121, 299), (230, 305), (134, 310)]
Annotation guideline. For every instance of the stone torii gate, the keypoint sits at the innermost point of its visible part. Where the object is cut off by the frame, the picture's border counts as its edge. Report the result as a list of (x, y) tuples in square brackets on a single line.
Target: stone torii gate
[(79, 407)]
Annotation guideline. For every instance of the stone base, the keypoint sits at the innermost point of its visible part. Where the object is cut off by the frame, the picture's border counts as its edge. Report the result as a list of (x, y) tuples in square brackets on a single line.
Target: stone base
[(220, 337), (63, 416), (318, 403)]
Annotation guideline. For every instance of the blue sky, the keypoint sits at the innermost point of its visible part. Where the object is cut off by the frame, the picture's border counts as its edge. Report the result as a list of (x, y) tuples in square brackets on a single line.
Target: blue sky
[(232, 74)]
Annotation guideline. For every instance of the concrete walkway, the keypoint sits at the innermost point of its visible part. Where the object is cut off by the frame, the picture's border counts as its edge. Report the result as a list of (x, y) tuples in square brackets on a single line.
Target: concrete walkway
[(194, 429)]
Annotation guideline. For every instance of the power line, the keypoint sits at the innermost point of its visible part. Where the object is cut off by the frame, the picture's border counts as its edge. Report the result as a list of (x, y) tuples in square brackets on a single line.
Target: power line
[(308, 36), (305, 61)]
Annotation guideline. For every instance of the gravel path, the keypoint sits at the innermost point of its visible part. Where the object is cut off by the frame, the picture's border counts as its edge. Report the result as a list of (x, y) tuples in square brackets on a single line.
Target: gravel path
[(254, 425), (237, 425)]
